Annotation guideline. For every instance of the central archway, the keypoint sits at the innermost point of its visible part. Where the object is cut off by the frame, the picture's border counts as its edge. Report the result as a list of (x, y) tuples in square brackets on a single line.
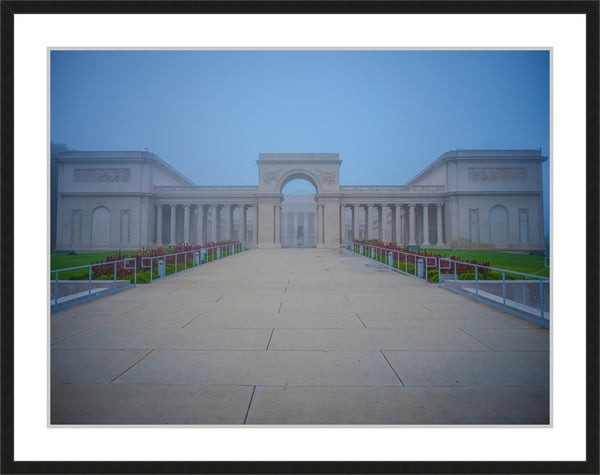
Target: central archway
[(276, 170), (298, 214)]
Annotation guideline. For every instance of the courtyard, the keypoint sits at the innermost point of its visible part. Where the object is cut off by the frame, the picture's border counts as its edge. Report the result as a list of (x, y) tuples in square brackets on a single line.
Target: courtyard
[(295, 336)]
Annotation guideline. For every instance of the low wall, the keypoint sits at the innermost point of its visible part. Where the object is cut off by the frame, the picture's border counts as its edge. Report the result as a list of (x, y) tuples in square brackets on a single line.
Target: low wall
[(526, 292), (70, 287)]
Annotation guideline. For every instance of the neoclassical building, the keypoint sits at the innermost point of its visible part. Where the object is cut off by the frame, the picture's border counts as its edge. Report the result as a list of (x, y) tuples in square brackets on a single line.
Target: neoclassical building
[(466, 199)]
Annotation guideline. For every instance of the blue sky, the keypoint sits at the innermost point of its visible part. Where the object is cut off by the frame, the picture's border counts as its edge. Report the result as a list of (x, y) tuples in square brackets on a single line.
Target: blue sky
[(387, 113)]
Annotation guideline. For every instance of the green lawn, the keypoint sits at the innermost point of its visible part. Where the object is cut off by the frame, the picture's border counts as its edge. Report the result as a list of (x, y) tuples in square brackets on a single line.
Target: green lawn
[(503, 260), (64, 261)]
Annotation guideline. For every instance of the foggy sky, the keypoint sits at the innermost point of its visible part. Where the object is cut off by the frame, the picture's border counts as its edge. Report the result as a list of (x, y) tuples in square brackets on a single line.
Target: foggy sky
[(387, 113)]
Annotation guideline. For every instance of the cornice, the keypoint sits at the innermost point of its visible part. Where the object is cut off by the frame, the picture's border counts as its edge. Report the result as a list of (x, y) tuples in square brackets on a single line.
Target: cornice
[(390, 197), (122, 194), (493, 193)]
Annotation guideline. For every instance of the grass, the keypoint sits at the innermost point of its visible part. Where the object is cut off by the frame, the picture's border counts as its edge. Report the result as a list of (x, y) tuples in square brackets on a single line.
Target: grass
[(524, 263), (64, 261)]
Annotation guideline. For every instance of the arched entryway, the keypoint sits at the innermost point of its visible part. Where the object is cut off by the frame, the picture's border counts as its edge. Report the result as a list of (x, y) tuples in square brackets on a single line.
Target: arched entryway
[(321, 171), (298, 214)]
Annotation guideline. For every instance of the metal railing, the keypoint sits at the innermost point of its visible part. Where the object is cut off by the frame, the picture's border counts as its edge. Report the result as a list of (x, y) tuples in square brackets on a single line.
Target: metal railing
[(74, 291), (173, 262), (528, 300), (66, 293), (398, 260), (523, 295)]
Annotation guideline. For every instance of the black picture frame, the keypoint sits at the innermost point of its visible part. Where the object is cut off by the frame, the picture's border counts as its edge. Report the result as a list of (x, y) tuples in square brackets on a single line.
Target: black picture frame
[(8, 10)]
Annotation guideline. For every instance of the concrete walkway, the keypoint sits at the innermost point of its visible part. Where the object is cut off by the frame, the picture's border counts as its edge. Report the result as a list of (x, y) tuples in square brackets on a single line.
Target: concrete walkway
[(295, 336)]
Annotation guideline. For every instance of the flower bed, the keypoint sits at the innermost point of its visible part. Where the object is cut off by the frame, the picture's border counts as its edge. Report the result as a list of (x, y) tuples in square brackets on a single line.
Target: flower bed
[(173, 263), (464, 268)]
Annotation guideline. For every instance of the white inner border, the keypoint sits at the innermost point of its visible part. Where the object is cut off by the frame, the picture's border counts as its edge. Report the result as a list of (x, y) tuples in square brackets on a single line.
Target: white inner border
[(564, 34)]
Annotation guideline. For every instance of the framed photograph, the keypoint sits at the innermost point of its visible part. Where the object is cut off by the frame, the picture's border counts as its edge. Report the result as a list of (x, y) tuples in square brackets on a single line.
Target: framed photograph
[(347, 138)]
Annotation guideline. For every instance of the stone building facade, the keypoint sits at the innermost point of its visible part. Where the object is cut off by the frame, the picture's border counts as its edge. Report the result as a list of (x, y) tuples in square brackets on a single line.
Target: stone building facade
[(466, 199)]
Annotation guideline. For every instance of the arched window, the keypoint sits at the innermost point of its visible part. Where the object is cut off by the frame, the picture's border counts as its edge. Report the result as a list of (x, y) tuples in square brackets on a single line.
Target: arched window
[(100, 226), (498, 225)]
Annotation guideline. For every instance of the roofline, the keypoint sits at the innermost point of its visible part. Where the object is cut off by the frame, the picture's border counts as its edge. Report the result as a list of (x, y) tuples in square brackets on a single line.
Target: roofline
[(487, 154), (121, 155)]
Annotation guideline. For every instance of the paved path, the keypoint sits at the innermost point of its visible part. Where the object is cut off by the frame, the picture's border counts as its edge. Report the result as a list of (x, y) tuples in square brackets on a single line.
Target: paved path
[(295, 336)]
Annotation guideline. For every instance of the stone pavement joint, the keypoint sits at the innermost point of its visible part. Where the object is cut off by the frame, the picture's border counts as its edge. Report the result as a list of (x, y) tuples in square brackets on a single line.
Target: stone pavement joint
[(295, 336)]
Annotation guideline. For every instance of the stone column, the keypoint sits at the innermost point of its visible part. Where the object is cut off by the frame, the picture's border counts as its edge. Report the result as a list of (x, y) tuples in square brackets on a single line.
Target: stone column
[(440, 231), (242, 225), (398, 224), (411, 224), (159, 213), (368, 222), (355, 222), (342, 223), (186, 224), (285, 218), (320, 233), (254, 226), (277, 224), (227, 217), (384, 225), (426, 242), (295, 233), (199, 224), (215, 223), (380, 226), (219, 209), (173, 217), (305, 229)]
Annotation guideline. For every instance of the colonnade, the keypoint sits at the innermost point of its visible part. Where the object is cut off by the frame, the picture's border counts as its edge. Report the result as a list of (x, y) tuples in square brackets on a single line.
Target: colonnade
[(202, 223), (319, 225), (403, 223), (295, 219)]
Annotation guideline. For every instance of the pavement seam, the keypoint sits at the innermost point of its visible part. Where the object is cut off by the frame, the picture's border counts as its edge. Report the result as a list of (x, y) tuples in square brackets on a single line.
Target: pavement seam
[(476, 339), (361, 321), (249, 404), (192, 320), (71, 336), (270, 338), (390, 365), (428, 309), (125, 371)]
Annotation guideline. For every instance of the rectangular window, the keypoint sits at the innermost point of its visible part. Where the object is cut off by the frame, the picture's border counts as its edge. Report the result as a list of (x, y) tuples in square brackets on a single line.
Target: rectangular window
[(125, 213), (76, 226), (523, 225), (474, 225)]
